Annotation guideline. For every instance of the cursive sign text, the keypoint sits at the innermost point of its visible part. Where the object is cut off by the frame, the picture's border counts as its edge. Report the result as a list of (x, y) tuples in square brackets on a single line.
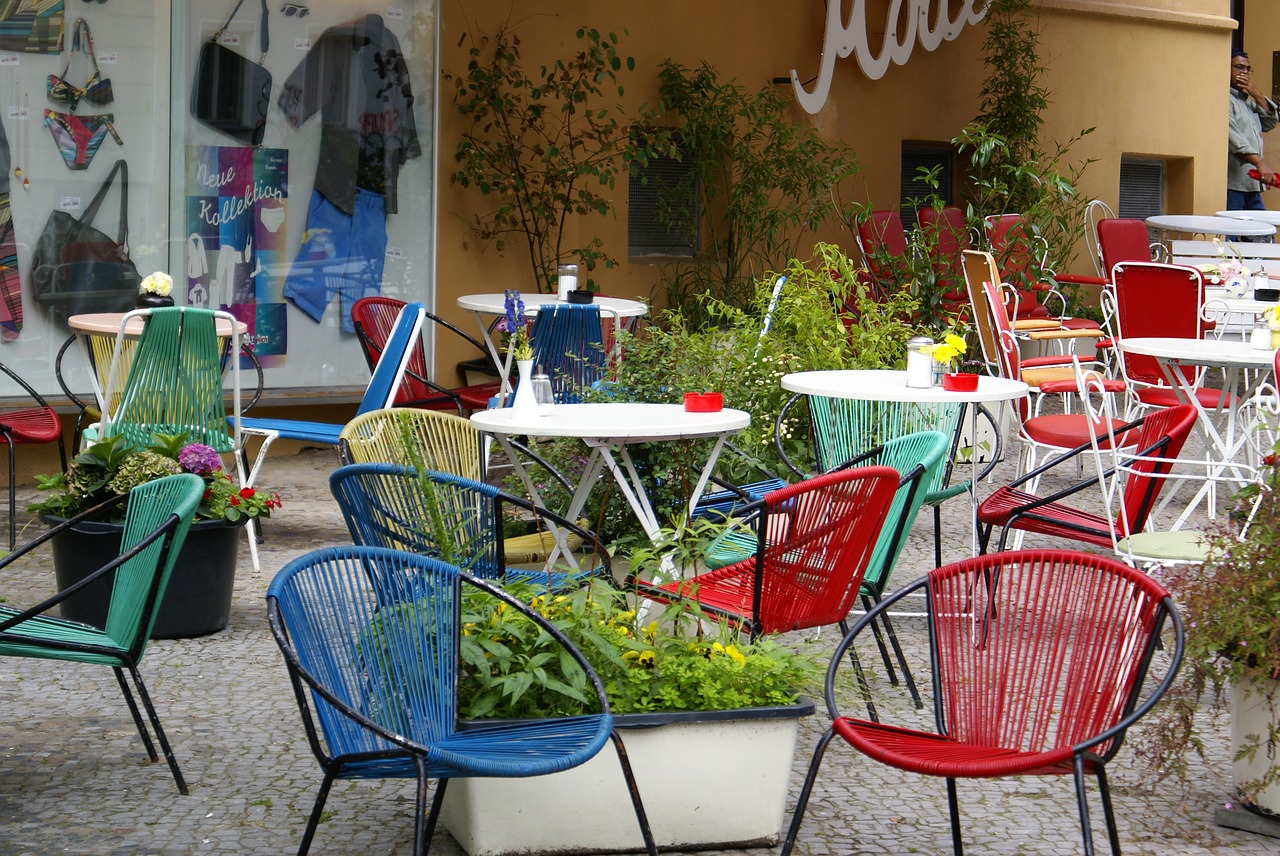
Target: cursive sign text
[(844, 38)]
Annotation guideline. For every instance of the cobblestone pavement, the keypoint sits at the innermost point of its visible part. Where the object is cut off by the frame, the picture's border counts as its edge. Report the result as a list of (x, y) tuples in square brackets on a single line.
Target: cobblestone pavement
[(74, 777)]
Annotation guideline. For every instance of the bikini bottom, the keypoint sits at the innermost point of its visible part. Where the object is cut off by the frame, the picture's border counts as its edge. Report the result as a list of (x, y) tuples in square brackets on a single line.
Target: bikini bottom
[(78, 137)]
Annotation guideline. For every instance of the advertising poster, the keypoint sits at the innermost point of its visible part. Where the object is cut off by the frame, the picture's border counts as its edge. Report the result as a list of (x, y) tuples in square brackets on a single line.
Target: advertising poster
[(236, 215)]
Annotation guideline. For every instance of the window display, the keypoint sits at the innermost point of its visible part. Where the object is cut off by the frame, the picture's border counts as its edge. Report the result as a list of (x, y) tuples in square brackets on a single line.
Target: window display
[(279, 166)]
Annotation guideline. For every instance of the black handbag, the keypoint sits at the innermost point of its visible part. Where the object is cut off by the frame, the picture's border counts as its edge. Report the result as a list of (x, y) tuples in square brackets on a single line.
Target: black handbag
[(76, 268), (232, 93)]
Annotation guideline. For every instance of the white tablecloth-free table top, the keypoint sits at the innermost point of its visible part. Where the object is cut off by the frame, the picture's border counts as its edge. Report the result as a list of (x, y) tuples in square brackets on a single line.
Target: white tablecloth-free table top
[(608, 428), (1206, 225), (495, 304), (1272, 217), (108, 323), (891, 385)]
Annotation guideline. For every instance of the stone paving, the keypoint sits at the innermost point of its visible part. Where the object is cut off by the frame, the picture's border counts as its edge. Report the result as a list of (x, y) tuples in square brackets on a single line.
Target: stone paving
[(74, 777)]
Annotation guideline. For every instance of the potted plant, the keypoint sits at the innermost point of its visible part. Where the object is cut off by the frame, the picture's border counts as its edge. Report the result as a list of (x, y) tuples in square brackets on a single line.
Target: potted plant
[(198, 599), (679, 686), (1231, 606)]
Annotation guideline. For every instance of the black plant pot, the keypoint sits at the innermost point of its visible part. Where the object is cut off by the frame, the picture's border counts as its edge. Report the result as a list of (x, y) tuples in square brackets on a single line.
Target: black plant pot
[(197, 601), (146, 300)]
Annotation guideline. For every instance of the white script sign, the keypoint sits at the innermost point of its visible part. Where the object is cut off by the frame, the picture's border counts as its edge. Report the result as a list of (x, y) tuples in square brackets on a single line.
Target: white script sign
[(842, 39)]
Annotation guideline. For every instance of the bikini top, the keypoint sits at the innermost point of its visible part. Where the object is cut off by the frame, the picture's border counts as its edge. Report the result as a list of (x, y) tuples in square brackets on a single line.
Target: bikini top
[(97, 90)]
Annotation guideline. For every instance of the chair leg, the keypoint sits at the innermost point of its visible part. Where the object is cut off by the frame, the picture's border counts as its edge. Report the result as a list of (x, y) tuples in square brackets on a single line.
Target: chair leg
[(860, 676), (1086, 829), (902, 661), (1104, 790), (953, 805), (156, 727), (13, 492), (436, 802), (317, 809), (803, 801), (137, 716), (643, 819), (937, 535), (884, 652), (424, 821)]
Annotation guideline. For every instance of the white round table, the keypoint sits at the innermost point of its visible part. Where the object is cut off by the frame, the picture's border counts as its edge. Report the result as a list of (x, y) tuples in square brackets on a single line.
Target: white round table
[(1272, 217), (495, 304), (890, 385), (1232, 356), (609, 428), (1206, 225)]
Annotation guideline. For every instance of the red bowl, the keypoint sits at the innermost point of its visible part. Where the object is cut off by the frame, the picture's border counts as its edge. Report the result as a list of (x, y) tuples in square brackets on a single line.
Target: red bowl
[(703, 402), (957, 382)]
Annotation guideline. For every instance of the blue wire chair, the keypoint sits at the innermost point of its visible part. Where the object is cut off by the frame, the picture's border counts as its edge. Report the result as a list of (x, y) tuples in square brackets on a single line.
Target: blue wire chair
[(448, 517), (370, 638), (568, 342)]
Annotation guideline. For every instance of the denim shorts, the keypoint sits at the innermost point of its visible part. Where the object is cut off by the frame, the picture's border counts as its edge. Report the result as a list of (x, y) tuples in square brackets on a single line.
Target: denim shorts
[(341, 254)]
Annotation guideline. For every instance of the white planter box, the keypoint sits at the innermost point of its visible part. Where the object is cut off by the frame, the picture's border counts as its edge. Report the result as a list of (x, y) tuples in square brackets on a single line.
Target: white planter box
[(1252, 719), (716, 779)]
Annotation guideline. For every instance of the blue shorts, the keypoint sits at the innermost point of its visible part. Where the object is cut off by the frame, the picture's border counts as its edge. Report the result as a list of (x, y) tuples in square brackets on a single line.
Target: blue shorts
[(341, 253)]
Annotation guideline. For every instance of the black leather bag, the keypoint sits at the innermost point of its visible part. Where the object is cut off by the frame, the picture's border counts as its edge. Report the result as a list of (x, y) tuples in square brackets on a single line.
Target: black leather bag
[(77, 268), (232, 93)]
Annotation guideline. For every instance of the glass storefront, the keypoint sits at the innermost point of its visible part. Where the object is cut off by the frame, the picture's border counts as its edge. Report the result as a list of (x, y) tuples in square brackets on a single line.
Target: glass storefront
[(278, 177)]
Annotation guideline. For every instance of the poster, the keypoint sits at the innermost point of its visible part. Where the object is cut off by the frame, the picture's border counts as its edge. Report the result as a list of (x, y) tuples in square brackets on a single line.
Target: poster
[(237, 209)]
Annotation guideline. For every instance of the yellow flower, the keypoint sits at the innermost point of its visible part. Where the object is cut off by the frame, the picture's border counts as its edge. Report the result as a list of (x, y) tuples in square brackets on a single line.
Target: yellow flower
[(731, 651), (946, 351), (468, 629)]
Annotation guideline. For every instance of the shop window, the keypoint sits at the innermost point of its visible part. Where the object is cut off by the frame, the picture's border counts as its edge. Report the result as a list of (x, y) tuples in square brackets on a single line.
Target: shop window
[(662, 210), (1141, 187), (913, 193)]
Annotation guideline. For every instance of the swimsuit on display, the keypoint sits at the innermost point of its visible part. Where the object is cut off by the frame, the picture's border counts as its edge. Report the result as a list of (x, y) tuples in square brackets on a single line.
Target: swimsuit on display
[(96, 90), (78, 137)]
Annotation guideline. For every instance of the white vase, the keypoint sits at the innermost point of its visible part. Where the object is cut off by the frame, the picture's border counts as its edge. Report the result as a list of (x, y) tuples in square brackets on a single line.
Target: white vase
[(524, 403), (1255, 706), (728, 789)]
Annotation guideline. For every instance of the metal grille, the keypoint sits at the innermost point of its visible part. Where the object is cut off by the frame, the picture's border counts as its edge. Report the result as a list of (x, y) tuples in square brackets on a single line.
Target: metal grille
[(662, 209), (1141, 188)]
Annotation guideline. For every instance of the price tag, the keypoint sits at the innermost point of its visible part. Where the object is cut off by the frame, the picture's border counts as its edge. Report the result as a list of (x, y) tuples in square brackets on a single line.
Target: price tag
[(108, 58), (395, 13), (231, 40), (8, 59), (69, 203), (302, 44), (394, 252)]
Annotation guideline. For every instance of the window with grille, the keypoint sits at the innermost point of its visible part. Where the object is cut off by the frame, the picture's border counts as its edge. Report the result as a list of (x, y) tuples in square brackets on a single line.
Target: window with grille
[(662, 210), (911, 193), (1141, 187)]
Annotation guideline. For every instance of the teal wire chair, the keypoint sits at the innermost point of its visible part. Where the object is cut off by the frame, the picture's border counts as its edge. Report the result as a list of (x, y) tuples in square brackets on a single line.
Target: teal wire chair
[(371, 641), (449, 517), (842, 429), (157, 517), (173, 380)]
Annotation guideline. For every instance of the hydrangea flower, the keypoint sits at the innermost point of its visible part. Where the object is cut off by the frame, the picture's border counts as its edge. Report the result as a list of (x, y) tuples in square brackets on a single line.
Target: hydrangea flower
[(199, 459)]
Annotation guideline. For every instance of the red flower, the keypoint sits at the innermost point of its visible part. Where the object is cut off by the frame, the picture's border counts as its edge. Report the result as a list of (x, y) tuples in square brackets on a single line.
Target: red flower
[(235, 500), (247, 493), (1270, 460)]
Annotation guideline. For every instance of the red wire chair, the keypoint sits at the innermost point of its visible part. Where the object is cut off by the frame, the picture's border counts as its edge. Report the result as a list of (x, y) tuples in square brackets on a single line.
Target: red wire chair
[(1160, 437), (883, 243), (37, 423), (374, 318), (1039, 661)]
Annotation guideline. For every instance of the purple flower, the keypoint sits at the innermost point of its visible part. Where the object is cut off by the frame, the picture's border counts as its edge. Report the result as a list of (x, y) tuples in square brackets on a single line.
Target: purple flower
[(514, 319), (199, 459)]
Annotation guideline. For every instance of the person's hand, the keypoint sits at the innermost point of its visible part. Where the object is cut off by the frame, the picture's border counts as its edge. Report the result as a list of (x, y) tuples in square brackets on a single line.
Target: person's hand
[(1266, 174)]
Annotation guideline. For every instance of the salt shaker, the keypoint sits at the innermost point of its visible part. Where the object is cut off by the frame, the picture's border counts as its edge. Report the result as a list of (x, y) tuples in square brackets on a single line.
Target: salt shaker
[(920, 362), (1260, 338), (566, 281), (543, 395)]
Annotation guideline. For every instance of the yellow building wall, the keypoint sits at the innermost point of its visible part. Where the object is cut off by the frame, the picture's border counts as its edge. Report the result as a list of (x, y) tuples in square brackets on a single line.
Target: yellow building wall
[(1151, 77)]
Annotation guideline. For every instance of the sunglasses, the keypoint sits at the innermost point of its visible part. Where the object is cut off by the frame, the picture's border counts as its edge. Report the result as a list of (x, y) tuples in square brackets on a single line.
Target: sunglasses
[(289, 10)]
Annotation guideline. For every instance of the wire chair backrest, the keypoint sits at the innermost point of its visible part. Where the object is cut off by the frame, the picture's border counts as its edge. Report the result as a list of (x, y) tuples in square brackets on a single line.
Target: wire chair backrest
[(376, 630), (815, 540), (882, 240), (374, 319), (140, 581), (1043, 650), (568, 342), (423, 439), (172, 383), (1094, 213), (947, 236), (445, 516), (1021, 256)]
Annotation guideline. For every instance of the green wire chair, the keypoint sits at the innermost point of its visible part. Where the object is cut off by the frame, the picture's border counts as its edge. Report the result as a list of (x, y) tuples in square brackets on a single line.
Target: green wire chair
[(156, 521)]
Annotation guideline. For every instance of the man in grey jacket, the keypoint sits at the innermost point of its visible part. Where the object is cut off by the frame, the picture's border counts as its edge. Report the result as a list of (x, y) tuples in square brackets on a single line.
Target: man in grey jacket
[(1252, 113)]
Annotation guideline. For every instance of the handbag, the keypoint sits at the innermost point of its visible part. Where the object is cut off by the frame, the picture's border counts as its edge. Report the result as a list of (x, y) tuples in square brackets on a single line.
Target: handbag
[(232, 93), (77, 268)]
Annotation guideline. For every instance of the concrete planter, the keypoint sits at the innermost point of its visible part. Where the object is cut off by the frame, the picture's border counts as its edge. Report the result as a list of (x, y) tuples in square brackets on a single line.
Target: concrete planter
[(715, 779), (1254, 707)]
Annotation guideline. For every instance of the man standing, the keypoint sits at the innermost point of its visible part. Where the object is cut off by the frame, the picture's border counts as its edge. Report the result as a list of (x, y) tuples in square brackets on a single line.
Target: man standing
[(1252, 113)]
